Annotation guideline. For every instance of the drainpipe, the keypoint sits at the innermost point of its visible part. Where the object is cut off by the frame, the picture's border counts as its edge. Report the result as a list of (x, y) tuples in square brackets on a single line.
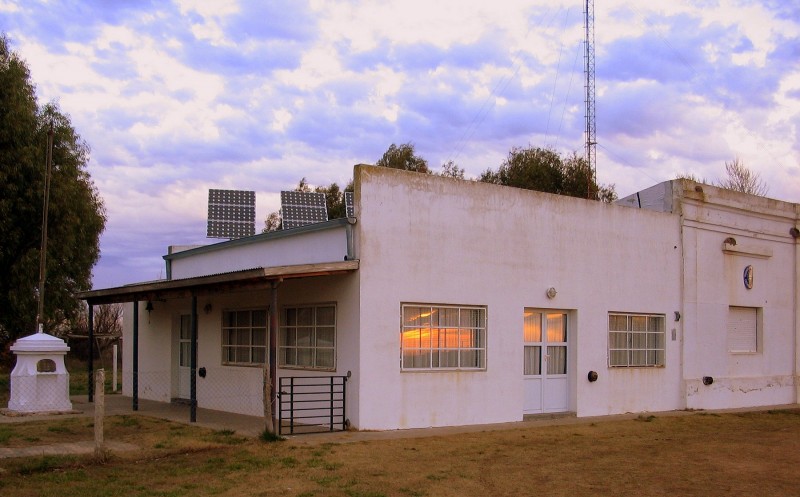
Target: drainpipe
[(351, 251)]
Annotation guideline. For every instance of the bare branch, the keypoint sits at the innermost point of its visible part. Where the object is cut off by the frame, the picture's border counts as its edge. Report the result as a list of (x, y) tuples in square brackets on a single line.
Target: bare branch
[(741, 179)]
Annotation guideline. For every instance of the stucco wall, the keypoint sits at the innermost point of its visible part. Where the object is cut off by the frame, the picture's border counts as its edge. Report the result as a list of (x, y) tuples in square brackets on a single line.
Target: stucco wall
[(429, 239), (305, 247), (432, 240), (714, 282), (154, 353), (233, 388)]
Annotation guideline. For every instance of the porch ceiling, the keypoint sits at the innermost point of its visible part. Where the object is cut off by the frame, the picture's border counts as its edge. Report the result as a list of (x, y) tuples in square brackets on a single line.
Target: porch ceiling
[(249, 279)]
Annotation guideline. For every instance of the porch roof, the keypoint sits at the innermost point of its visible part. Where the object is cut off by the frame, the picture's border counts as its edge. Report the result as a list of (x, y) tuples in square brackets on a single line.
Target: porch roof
[(248, 279)]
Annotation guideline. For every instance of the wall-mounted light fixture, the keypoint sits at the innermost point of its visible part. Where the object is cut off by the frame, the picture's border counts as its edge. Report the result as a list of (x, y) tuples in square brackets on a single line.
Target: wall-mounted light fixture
[(149, 309), (708, 380), (208, 308), (592, 376), (551, 293), (677, 316)]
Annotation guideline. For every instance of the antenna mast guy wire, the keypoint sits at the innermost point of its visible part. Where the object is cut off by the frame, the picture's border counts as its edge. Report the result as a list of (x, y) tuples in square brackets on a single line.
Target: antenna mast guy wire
[(43, 253)]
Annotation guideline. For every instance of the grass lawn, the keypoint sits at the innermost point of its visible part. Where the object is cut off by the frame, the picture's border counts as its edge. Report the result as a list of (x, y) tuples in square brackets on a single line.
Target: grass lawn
[(694, 454)]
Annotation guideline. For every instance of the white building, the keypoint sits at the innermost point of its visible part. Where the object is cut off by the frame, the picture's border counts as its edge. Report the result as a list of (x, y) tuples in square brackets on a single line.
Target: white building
[(449, 302)]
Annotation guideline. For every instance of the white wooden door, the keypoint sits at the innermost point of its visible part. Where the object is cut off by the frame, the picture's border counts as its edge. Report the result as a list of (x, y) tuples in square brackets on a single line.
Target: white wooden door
[(184, 357), (545, 378)]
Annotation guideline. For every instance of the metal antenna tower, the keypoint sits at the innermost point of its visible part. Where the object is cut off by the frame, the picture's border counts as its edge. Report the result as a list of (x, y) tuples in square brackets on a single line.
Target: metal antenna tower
[(591, 132)]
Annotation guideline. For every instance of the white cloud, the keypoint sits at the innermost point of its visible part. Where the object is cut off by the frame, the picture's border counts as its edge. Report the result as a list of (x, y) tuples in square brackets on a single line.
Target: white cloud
[(280, 119), (177, 98)]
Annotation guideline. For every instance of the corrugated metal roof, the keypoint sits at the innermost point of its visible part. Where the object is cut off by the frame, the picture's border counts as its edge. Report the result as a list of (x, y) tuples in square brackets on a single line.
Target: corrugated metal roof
[(272, 235), (214, 283)]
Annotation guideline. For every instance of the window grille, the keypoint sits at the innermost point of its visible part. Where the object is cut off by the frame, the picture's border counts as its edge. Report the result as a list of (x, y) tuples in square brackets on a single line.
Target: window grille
[(636, 340), (443, 337), (308, 337), (244, 337)]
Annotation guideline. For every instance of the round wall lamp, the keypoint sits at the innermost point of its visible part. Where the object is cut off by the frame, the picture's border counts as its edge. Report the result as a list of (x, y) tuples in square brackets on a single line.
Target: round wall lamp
[(708, 380), (592, 376), (551, 293)]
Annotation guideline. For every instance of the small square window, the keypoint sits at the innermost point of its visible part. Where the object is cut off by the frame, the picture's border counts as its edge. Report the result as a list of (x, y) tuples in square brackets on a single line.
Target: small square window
[(308, 337)]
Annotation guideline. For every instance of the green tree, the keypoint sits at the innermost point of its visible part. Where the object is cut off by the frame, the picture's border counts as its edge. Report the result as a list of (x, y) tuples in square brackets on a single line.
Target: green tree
[(397, 157), (451, 170), (334, 201), (76, 213), (544, 170), (403, 157)]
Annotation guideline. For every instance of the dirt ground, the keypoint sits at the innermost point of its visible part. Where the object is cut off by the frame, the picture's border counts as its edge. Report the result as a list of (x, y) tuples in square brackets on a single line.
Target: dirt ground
[(753, 453)]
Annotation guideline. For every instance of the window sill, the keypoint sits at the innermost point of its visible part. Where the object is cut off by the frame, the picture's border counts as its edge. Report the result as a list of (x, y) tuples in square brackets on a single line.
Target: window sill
[(307, 368), (443, 370)]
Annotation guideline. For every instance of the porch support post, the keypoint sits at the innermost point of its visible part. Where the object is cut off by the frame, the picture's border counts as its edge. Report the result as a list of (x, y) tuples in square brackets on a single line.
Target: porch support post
[(193, 364), (91, 351), (273, 351), (135, 355)]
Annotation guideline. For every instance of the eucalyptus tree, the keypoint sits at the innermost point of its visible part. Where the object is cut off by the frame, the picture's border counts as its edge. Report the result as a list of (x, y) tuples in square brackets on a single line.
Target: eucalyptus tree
[(76, 216)]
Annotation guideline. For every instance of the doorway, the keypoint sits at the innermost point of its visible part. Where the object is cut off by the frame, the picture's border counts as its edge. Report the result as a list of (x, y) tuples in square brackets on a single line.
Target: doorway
[(545, 377), (184, 348)]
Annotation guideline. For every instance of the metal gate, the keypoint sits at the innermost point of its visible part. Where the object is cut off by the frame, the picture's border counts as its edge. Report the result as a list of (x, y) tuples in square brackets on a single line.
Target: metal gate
[(311, 404)]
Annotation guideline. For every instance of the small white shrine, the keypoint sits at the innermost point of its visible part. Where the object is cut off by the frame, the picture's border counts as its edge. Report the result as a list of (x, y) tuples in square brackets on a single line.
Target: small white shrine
[(39, 381)]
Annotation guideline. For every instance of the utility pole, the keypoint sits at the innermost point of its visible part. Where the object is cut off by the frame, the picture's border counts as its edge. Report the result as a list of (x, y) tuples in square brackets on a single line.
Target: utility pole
[(591, 132), (43, 253)]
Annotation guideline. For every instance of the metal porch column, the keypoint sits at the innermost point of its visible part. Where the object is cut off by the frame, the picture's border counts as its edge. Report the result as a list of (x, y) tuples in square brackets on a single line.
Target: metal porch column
[(273, 354), (91, 352), (135, 355), (193, 364)]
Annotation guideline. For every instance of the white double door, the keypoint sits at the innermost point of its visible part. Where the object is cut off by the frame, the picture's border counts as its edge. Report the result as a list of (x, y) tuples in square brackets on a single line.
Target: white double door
[(545, 374)]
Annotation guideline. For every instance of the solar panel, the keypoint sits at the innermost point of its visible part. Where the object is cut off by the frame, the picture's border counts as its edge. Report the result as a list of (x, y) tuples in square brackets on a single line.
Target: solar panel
[(302, 208), (231, 214), (348, 205)]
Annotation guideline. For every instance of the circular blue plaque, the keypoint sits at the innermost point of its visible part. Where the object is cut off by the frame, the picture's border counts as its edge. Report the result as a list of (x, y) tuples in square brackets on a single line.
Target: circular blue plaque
[(748, 277)]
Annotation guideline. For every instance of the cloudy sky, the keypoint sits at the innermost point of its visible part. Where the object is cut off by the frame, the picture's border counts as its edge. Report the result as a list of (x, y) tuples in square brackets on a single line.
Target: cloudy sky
[(176, 97)]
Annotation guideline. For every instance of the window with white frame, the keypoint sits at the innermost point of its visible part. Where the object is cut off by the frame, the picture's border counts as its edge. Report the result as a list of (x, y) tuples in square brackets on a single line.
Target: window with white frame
[(743, 329), (308, 337), (442, 337), (636, 340), (244, 337)]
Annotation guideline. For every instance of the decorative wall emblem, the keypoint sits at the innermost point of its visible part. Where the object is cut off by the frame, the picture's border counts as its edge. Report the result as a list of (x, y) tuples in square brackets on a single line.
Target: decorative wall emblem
[(748, 277)]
